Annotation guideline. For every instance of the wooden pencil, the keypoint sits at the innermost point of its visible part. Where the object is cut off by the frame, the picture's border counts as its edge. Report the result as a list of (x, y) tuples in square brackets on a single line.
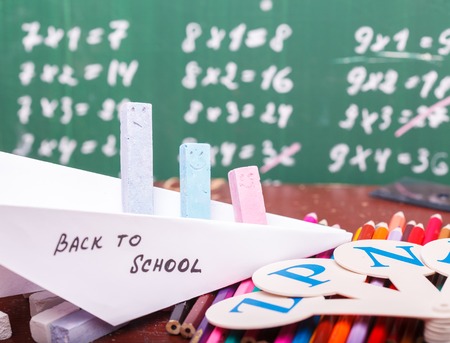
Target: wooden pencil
[(196, 314), (179, 312)]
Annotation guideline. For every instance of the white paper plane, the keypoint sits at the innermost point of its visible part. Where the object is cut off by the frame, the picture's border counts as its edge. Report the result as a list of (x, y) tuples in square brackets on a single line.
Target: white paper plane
[(63, 229)]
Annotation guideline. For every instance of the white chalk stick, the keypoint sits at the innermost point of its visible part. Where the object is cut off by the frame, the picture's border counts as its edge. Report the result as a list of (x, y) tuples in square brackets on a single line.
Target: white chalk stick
[(41, 301), (5, 326), (136, 157), (79, 327), (40, 323)]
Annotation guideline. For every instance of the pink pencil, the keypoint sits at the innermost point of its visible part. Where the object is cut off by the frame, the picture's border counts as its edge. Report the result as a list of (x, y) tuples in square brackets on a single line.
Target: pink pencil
[(218, 334), (433, 228), (310, 217)]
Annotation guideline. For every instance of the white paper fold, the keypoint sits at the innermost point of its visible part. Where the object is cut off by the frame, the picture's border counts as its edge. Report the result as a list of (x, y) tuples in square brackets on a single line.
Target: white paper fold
[(63, 229)]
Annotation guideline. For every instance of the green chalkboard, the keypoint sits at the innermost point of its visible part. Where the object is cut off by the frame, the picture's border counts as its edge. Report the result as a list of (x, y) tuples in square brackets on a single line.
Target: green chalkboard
[(308, 90)]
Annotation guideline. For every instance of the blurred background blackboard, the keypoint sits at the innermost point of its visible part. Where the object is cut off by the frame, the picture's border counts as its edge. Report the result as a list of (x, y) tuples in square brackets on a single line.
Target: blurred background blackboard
[(311, 91)]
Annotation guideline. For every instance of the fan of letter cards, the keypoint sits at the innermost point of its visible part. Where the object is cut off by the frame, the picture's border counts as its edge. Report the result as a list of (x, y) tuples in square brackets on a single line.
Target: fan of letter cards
[(294, 290)]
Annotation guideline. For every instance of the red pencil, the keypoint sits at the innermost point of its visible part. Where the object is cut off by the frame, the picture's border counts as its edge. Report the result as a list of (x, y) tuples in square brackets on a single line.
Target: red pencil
[(367, 230), (417, 234)]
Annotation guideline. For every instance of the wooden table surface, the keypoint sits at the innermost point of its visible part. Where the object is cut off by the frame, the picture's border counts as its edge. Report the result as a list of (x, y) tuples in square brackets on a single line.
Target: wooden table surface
[(347, 205)]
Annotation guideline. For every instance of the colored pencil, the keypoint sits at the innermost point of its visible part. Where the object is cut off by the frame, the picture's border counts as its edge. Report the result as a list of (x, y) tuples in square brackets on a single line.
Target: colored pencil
[(179, 312), (408, 227), (445, 232), (286, 333), (367, 230), (310, 217), (196, 314), (244, 287), (323, 330), (397, 220), (204, 329), (381, 231), (356, 234), (433, 228), (417, 234), (380, 329), (305, 330)]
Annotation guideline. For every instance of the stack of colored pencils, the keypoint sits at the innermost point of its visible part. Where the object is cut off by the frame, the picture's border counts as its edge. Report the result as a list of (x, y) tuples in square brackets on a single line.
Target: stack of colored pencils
[(345, 328)]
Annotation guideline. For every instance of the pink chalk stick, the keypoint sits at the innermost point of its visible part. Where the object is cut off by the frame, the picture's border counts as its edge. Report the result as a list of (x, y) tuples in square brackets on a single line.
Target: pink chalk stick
[(247, 196)]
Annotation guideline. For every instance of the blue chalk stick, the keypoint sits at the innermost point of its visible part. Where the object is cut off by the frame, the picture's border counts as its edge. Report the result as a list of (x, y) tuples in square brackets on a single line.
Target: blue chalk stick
[(79, 327), (136, 157), (195, 180)]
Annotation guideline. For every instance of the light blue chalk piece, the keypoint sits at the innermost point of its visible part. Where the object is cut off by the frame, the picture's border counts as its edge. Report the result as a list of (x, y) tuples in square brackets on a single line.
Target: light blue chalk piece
[(136, 157), (195, 180), (79, 327)]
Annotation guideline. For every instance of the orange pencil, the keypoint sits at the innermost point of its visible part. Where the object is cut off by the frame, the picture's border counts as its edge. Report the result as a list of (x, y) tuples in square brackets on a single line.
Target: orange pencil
[(381, 231), (445, 232)]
